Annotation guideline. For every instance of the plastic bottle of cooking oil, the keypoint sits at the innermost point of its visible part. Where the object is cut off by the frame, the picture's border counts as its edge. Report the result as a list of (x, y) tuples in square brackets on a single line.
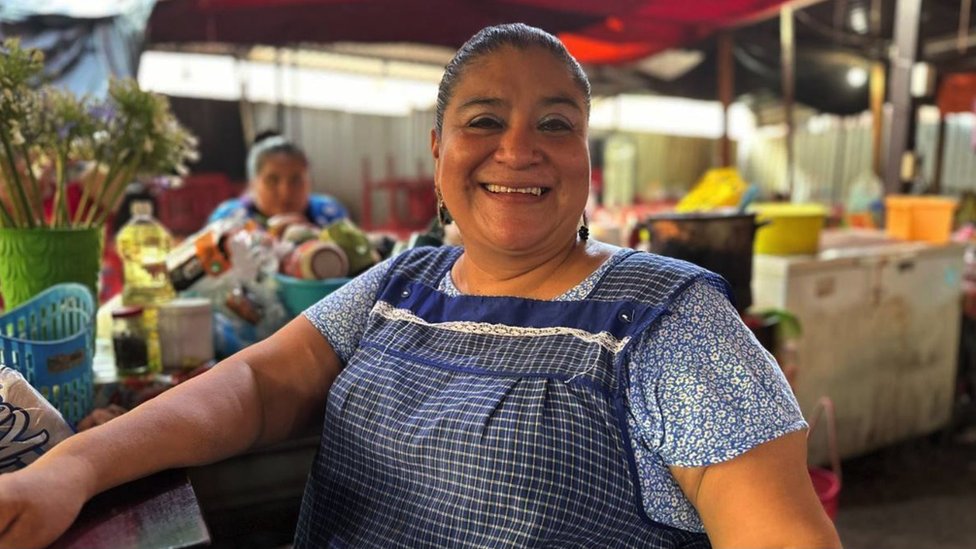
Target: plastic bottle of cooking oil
[(143, 244)]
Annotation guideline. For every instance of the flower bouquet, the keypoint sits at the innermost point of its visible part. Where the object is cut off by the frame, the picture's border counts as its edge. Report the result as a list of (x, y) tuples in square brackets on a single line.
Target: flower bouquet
[(65, 162)]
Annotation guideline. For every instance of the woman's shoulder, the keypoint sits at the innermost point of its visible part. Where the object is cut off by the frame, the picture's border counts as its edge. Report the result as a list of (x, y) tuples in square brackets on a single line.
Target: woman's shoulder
[(425, 263), (651, 278), (226, 209), (643, 266)]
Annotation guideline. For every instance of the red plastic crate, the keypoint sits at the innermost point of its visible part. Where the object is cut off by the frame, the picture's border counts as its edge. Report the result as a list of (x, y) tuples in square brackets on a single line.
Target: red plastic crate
[(185, 209)]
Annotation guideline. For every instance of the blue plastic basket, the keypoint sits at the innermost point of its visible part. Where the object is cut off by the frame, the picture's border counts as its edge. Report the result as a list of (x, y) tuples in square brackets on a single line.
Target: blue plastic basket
[(50, 341)]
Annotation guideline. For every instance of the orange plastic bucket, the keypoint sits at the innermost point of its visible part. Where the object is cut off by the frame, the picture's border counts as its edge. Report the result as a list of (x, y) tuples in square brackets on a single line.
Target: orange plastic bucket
[(925, 218)]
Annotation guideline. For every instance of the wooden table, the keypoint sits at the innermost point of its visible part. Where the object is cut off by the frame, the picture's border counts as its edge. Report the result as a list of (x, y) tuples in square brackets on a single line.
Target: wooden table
[(160, 511)]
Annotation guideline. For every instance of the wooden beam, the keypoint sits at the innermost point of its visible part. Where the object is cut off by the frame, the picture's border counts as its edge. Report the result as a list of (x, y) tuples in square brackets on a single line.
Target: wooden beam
[(948, 45), (877, 95)]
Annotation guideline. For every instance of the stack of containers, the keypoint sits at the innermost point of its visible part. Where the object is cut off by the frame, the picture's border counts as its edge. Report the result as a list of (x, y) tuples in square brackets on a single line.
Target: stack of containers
[(925, 218)]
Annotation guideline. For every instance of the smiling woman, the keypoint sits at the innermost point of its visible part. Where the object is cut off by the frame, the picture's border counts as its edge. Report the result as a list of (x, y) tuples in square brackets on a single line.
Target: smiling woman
[(535, 388), (512, 163)]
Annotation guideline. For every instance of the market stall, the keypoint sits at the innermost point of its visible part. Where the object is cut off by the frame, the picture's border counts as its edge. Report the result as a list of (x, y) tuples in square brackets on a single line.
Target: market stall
[(880, 317), (880, 334)]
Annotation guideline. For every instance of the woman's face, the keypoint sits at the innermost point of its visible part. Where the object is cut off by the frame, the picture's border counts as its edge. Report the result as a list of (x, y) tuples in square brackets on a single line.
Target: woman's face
[(512, 162), (281, 185)]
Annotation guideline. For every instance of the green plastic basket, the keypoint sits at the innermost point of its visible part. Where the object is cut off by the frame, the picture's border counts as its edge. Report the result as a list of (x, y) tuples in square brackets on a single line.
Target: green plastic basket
[(298, 294)]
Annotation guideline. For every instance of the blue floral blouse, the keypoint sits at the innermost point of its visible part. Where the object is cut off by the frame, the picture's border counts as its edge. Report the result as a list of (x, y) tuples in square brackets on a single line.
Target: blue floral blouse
[(711, 395)]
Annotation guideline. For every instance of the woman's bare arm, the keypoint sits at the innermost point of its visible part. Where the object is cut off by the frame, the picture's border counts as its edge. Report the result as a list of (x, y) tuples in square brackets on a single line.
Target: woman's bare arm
[(266, 393), (762, 498)]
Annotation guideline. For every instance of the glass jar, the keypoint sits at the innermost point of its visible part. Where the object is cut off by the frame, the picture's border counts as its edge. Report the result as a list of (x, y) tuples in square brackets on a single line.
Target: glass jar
[(129, 342)]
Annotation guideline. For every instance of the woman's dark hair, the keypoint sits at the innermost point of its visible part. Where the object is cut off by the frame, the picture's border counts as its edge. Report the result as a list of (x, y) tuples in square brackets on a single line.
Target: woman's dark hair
[(266, 144), (262, 135), (491, 39)]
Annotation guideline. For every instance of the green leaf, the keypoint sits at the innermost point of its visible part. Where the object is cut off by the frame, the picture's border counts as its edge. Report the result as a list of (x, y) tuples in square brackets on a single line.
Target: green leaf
[(787, 324)]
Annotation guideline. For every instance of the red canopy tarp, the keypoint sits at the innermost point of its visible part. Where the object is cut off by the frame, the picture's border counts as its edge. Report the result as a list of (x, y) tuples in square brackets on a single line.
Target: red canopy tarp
[(596, 31)]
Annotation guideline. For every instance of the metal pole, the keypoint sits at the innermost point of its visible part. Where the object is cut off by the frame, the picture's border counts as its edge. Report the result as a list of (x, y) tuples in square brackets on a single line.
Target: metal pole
[(726, 86), (787, 58), (935, 187), (840, 159), (903, 58), (280, 90)]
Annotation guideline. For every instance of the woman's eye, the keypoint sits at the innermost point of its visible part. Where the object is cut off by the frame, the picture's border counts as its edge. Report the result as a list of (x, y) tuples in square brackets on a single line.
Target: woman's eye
[(555, 125), (485, 123)]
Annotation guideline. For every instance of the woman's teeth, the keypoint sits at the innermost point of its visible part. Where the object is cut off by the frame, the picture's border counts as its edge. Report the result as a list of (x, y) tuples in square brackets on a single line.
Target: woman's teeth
[(537, 191)]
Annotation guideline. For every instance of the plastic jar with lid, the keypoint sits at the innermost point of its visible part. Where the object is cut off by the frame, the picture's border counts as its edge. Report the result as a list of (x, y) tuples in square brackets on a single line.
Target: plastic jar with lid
[(129, 342), (186, 334)]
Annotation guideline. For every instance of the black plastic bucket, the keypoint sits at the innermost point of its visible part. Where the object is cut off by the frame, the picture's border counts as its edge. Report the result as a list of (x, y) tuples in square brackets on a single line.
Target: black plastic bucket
[(719, 242)]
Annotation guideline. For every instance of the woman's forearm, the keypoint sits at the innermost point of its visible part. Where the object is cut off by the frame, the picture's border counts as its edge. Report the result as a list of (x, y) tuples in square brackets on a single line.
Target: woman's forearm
[(268, 392), (205, 419)]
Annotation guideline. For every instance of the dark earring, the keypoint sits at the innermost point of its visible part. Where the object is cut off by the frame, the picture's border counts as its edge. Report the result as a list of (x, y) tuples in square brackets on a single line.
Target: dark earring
[(443, 216), (583, 231)]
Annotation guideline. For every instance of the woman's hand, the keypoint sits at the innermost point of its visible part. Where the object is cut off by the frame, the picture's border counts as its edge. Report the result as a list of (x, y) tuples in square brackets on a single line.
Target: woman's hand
[(38, 503)]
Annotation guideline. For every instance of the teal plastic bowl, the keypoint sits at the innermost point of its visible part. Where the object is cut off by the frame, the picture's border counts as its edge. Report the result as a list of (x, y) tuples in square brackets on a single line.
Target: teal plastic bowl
[(298, 295)]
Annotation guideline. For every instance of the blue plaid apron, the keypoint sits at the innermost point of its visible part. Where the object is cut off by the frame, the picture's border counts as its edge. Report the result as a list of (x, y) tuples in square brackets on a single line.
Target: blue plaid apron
[(488, 421)]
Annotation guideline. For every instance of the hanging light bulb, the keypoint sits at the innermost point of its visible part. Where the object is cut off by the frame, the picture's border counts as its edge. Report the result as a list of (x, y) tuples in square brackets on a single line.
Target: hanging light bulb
[(857, 76), (859, 19)]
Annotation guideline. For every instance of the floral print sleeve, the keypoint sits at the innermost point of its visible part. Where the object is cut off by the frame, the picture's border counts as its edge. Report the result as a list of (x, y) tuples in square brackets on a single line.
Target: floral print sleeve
[(702, 390), (341, 316)]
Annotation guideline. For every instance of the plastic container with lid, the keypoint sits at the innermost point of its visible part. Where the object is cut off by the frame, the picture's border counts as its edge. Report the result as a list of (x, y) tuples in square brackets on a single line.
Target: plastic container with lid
[(186, 333), (129, 341), (788, 229)]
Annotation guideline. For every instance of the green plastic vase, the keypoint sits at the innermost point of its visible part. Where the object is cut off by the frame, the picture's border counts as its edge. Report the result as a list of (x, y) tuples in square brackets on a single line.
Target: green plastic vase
[(32, 260)]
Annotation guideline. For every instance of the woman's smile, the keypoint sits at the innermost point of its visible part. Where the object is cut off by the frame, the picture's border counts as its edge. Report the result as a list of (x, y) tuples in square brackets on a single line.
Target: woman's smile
[(516, 194)]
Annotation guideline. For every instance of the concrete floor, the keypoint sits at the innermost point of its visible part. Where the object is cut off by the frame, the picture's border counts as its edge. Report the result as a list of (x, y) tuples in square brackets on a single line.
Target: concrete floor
[(920, 494)]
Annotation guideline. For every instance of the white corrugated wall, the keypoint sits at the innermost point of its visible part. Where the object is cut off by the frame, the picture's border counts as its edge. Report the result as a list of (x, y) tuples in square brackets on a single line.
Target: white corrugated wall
[(337, 144), (832, 152)]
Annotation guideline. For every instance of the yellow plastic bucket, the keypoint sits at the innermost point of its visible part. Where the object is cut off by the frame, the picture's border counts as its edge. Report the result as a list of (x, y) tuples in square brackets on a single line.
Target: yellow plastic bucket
[(925, 218), (789, 229)]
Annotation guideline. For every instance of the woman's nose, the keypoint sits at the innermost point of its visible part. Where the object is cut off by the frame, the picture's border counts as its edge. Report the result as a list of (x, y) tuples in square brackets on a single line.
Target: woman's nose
[(518, 147)]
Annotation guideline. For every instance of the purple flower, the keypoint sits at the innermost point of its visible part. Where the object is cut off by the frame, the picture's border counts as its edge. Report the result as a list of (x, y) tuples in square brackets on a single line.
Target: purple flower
[(65, 129), (101, 112)]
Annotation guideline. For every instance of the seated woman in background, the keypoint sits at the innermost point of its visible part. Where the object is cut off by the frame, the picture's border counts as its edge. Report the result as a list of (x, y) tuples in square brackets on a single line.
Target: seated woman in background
[(277, 171)]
